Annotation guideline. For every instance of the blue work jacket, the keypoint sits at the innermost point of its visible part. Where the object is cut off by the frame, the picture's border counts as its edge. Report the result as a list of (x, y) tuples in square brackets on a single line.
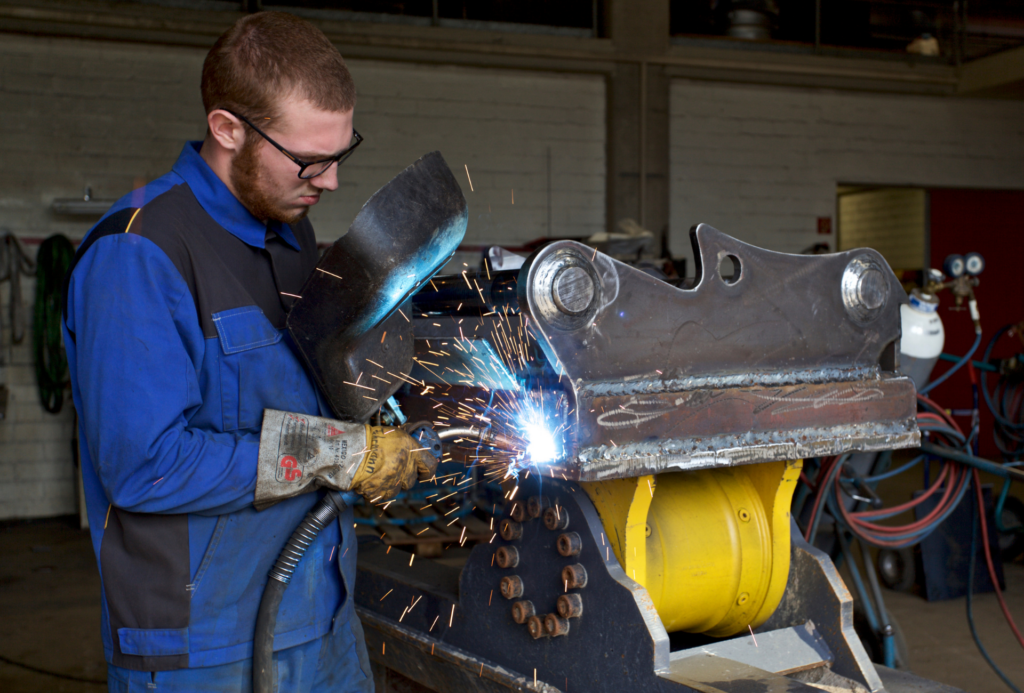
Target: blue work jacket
[(174, 327)]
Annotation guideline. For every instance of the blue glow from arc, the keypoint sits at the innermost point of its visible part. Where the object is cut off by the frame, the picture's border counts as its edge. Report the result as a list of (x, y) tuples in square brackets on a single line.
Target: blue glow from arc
[(542, 445)]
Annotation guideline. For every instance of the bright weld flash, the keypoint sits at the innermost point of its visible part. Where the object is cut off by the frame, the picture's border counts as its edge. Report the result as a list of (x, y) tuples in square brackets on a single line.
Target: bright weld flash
[(541, 446)]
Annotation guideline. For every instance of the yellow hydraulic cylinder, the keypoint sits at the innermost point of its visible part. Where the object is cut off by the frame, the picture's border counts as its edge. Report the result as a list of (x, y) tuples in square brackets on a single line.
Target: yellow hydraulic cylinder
[(710, 546)]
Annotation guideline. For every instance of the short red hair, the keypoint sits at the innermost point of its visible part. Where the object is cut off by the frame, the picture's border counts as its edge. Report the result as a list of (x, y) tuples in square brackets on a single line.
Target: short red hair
[(268, 55)]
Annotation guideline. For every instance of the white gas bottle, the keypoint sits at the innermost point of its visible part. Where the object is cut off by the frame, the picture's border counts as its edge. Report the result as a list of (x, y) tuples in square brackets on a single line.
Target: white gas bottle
[(923, 336)]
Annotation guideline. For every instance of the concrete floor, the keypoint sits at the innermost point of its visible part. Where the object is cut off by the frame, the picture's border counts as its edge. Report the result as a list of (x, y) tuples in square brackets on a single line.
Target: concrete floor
[(940, 643), (50, 601), (49, 598)]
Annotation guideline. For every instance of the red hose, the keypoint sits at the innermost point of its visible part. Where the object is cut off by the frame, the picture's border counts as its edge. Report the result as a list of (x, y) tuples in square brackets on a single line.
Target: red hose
[(942, 412), (903, 507), (859, 526), (827, 464), (934, 514), (929, 416), (988, 557)]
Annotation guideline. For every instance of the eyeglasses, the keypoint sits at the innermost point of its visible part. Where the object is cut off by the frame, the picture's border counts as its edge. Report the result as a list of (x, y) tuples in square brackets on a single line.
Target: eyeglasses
[(308, 169)]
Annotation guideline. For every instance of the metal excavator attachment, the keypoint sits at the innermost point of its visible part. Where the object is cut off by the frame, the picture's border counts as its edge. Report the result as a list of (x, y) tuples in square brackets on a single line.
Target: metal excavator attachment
[(650, 547), (682, 415), (777, 357)]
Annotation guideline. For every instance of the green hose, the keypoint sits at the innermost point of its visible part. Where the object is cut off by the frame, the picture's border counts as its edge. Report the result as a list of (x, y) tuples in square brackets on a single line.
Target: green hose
[(52, 262)]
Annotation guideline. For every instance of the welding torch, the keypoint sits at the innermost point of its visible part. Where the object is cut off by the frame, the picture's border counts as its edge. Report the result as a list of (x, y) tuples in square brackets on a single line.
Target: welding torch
[(323, 513), (480, 435), (432, 438)]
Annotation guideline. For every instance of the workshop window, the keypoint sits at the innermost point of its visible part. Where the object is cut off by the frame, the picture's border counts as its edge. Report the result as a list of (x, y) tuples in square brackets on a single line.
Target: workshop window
[(893, 221), (580, 18), (931, 29)]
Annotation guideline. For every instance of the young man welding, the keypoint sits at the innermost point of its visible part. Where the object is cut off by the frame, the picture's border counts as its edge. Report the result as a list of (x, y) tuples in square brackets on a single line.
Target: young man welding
[(174, 314)]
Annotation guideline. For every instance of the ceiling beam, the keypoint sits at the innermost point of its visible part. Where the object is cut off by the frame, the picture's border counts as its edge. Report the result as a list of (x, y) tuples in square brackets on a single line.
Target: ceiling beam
[(155, 24), (999, 75)]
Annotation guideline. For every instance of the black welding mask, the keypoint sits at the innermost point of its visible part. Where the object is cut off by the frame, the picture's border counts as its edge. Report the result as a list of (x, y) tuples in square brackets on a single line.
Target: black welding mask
[(349, 320)]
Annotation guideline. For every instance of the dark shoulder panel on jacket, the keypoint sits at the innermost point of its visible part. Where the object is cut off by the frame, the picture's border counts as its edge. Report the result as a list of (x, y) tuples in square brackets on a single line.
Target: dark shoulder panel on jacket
[(220, 270), (166, 221), (216, 266), (117, 222)]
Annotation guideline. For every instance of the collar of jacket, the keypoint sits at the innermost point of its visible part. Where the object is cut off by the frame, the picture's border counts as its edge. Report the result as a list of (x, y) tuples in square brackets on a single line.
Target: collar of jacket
[(222, 205)]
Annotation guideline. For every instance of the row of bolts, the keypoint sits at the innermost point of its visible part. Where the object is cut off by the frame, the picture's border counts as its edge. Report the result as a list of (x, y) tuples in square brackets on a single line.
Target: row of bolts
[(574, 576)]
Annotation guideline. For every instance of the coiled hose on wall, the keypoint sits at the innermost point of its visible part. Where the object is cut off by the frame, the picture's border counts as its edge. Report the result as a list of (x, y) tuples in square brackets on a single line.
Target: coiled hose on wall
[(52, 262)]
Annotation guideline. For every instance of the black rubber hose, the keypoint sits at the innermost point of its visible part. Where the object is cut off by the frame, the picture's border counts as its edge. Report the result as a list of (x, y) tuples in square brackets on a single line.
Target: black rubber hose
[(263, 641), (322, 514), (976, 462)]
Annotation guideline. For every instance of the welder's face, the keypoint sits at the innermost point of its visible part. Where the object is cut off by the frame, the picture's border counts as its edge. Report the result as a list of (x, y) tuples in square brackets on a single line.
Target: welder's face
[(267, 181)]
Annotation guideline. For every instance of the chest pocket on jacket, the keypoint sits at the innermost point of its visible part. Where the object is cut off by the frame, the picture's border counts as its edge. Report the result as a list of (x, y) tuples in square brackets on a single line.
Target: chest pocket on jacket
[(258, 370)]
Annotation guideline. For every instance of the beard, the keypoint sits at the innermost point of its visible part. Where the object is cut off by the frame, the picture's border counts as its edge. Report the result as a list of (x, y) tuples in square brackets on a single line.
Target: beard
[(249, 181)]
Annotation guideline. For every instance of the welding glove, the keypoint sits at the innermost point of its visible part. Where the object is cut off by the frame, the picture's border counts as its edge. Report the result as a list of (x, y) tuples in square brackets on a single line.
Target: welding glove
[(301, 453)]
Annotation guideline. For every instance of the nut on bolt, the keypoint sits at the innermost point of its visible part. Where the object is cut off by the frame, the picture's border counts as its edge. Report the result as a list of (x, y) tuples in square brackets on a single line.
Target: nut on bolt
[(555, 625), (574, 576), (556, 518), (535, 506), (865, 288), (536, 627), (522, 611), (518, 512), (511, 587), (510, 529), (569, 544), (570, 605), (507, 556)]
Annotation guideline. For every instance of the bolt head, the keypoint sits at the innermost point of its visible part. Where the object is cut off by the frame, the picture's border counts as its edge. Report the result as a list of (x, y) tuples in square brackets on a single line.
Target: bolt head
[(522, 611), (555, 626), (555, 518), (536, 627), (569, 544), (511, 587), (507, 556), (573, 290), (510, 530), (865, 288)]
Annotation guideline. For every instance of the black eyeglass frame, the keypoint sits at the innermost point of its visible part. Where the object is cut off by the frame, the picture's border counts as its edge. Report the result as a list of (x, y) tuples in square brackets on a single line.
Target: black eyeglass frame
[(303, 165)]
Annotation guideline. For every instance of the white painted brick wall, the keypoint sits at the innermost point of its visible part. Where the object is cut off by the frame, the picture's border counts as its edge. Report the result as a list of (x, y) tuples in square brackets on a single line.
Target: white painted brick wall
[(113, 116), (762, 163), (501, 124), (36, 465)]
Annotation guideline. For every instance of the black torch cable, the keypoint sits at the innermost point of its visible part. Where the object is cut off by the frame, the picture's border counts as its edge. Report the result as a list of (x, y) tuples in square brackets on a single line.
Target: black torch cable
[(323, 513)]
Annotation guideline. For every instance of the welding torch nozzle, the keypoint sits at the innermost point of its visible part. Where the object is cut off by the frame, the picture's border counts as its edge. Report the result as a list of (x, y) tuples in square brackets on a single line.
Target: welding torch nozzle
[(481, 435)]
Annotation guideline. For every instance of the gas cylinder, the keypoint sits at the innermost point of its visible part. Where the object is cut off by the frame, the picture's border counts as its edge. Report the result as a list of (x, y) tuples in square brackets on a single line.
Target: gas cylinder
[(923, 336)]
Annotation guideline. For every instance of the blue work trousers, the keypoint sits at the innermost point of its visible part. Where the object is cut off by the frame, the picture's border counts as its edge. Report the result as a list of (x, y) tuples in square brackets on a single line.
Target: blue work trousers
[(331, 663)]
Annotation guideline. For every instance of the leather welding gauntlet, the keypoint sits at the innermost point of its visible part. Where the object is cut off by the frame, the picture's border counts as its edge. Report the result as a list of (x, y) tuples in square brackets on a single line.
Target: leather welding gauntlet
[(301, 453)]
